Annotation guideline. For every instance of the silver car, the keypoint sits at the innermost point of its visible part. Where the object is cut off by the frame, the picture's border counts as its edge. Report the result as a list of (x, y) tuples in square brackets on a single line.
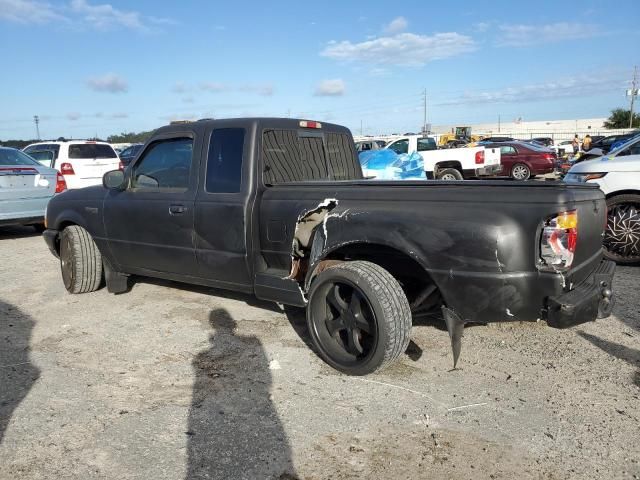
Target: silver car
[(25, 188)]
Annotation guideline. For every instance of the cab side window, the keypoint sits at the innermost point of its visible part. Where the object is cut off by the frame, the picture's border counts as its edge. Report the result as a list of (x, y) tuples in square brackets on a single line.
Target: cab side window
[(165, 166), (224, 162)]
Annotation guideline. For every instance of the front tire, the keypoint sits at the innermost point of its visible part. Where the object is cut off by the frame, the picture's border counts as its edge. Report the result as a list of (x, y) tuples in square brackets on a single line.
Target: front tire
[(80, 261), (358, 317), (622, 235)]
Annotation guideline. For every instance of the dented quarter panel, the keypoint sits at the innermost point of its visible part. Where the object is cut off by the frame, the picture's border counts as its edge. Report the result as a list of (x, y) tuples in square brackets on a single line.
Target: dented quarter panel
[(478, 241)]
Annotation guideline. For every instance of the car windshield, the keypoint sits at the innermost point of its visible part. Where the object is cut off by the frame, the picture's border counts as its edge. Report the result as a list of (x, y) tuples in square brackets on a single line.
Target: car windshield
[(625, 145), (10, 157), (537, 147)]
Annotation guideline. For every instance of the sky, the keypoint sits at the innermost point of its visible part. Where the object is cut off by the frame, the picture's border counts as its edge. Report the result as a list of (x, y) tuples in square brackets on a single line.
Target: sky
[(88, 68)]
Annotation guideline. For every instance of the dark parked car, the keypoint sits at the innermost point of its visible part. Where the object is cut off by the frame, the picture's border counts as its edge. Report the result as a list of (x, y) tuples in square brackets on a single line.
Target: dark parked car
[(129, 153), (484, 141), (544, 141), (278, 208), (522, 160), (604, 145)]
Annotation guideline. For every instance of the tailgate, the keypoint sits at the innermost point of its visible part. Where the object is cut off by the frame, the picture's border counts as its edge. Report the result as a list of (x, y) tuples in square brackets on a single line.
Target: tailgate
[(492, 156), (92, 168)]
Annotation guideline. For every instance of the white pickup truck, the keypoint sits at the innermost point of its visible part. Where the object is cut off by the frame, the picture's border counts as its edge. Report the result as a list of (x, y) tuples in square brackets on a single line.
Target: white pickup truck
[(450, 163)]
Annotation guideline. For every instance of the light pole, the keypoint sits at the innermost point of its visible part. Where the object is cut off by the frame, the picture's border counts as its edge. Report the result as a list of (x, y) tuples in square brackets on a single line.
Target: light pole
[(36, 119)]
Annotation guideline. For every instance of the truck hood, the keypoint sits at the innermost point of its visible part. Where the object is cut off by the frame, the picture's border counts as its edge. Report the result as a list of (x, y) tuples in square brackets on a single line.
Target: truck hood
[(606, 163)]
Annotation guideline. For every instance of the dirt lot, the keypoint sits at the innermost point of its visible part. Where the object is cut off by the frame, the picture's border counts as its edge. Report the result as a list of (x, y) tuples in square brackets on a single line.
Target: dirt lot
[(170, 381)]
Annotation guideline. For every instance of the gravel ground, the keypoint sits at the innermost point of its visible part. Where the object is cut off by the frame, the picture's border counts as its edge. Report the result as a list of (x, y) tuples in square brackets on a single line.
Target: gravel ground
[(171, 381)]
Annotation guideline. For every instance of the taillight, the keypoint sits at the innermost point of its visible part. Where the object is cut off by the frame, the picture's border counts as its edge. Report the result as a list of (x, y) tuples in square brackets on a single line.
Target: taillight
[(67, 169), (549, 156), (121, 166), (480, 157), (61, 185), (559, 241)]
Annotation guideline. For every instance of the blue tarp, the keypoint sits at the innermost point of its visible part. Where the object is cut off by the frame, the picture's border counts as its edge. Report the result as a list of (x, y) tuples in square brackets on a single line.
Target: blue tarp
[(386, 164)]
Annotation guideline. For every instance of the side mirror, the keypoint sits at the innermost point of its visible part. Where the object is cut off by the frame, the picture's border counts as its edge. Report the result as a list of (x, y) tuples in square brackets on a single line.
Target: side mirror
[(114, 180)]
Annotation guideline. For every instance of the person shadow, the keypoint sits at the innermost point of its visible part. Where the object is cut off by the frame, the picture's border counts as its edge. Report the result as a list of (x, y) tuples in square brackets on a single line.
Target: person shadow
[(234, 431), (17, 373)]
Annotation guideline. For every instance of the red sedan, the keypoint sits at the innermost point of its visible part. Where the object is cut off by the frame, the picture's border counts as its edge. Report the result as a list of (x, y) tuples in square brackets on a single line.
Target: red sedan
[(522, 160)]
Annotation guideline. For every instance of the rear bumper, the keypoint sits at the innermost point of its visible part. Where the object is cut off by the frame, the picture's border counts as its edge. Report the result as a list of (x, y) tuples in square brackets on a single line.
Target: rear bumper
[(51, 239), (486, 171), (589, 300)]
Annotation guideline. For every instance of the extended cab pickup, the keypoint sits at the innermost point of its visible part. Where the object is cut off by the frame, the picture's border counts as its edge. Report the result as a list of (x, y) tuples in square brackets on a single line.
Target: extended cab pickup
[(450, 163), (278, 208)]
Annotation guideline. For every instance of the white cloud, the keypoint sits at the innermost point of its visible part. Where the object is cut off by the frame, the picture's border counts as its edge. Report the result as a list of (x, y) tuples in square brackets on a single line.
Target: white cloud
[(28, 11), (119, 115), (73, 116), (188, 99), (105, 17), (110, 83), (264, 90), (330, 88), (582, 86), (526, 35), (213, 87), (397, 25), (180, 87), (481, 26), (404, 49)]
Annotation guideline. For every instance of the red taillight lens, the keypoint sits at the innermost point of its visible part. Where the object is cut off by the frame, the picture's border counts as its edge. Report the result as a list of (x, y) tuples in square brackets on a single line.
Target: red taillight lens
[(61, 185), (67, 169), (549, 156), (121, 166), (559, 241), (480, 157)]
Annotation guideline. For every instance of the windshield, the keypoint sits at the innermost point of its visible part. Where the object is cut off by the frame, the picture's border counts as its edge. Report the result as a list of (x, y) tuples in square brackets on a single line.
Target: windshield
[(10, 157), (632, 141)]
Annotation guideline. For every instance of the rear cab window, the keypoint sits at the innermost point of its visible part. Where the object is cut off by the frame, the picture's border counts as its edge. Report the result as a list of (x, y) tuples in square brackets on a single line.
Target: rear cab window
[(426, 143), (224, 160), (301, 155), (91, 151)]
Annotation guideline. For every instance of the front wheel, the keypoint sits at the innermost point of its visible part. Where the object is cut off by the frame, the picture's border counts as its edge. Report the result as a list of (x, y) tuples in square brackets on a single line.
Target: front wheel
[(622, 235), (520, 172), (359, 318), (80, 261)]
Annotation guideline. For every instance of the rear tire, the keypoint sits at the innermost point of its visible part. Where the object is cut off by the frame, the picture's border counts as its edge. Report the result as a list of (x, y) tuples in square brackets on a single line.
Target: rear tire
[(622, 235), (449, 174), (520, 172), (358, 317), (80, 261)]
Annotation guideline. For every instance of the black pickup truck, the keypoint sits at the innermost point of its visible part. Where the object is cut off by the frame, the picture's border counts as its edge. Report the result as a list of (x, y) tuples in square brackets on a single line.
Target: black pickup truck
[(278, 208)]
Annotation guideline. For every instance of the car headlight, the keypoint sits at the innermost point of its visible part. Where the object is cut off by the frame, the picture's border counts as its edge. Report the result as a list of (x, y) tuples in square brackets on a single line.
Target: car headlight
[(582, 177)]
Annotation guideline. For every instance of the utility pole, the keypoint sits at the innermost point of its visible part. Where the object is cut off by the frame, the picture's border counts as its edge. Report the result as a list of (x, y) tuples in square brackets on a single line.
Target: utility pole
[(37, 120), (424, 123), (360, 127), (498, 123), (633, 93)]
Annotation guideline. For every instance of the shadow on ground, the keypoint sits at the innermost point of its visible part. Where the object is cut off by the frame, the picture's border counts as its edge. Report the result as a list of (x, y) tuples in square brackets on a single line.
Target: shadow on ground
[(234, 430), (17, 373), (18, 232), (629, 355)]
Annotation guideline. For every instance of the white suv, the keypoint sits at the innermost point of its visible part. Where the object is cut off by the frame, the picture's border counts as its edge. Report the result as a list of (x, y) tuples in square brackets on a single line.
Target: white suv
[(618, 175), (82, 162)]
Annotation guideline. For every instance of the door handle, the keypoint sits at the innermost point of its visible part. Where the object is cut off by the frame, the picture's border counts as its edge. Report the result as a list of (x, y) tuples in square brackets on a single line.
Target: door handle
[(177, 209)]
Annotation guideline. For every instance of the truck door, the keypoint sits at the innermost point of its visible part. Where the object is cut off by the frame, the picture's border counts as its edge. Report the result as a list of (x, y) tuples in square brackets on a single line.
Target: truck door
[(222, 207), (150, 224)]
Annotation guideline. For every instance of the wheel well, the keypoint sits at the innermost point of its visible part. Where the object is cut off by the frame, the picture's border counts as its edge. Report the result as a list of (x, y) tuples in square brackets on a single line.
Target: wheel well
[(448, 164), (421, 291), (61, 227), (623, 192)]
